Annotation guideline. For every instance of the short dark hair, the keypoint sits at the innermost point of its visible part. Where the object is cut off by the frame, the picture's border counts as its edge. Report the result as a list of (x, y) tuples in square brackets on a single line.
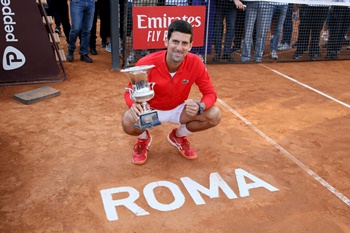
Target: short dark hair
[(180, 26)]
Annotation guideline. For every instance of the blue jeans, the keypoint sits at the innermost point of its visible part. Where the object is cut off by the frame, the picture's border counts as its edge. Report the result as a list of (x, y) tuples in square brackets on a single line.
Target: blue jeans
[(229, 12), (82, 16), (288, 26), (261, 12), (279, 11)]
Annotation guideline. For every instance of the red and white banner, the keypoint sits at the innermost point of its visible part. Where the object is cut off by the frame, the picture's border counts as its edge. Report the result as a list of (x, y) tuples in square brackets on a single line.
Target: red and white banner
[(150, 24)]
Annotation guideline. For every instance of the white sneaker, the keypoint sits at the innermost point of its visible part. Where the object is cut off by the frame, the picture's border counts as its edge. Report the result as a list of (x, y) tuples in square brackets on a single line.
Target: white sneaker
[(284, 46), (273, 55), (108, 47)]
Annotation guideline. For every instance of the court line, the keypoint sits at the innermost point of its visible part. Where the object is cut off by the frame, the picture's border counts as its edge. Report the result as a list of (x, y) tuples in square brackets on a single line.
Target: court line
[(306, 86), (320, 180)]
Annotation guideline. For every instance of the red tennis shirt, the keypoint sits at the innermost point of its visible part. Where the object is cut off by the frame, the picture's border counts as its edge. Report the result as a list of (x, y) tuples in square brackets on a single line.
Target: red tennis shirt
[(170, 91)]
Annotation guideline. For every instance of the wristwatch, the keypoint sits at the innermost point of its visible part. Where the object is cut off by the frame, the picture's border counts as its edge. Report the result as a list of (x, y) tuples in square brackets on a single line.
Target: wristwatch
[(200, 109)]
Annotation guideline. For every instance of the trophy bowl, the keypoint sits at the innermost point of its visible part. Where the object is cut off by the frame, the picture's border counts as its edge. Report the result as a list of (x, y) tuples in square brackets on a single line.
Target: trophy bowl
[(141, 92)]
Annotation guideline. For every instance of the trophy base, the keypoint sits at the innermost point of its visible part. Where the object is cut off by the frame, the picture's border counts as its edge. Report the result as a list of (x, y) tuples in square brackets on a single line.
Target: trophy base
[(148, 120)]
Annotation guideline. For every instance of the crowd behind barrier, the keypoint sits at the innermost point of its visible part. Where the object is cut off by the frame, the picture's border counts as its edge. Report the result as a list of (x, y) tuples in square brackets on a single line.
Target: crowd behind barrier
[(239, 31), (257, 31)]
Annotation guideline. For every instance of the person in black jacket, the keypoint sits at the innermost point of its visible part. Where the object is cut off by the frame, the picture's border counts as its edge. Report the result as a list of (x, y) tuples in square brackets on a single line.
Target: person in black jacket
[(225, 11)]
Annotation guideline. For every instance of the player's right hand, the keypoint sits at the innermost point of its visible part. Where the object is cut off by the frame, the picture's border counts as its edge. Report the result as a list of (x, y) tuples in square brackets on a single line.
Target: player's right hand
[(136, 110)]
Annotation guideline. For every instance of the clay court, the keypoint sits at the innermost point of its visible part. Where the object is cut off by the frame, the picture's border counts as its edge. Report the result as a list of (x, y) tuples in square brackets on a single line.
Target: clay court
[(284, 125)]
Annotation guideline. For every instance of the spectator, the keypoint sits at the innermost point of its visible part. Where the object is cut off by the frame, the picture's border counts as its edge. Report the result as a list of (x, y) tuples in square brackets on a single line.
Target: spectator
[(207, 47), (51, 11), (93, 36), (133, 53), (279, 14), (82, 16), (338, 25), (105, 22), (239, 30), (225, 11), (325, 35), (312, 18), (259, 13), (287, 30), (62, 12)]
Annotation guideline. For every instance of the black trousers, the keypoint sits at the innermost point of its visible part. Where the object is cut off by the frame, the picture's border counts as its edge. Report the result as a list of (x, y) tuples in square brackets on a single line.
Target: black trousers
[(311, 24), (61, 8), (338, 24)]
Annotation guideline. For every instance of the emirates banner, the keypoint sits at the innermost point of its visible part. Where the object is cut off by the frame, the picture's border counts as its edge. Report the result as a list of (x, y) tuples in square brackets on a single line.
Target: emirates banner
[(25, 50), (150, 24)]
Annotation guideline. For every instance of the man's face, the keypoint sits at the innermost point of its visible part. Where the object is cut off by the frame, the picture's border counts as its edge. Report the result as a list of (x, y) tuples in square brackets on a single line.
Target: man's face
[(178, 46)]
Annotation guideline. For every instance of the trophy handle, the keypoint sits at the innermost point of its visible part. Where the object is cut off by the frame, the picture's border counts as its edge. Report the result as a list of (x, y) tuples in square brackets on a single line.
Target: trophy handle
[(151, 85), (130, 92), (129, 89)]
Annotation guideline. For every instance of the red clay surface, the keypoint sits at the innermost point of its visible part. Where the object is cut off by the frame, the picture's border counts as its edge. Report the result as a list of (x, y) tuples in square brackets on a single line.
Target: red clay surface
[(58, 154)]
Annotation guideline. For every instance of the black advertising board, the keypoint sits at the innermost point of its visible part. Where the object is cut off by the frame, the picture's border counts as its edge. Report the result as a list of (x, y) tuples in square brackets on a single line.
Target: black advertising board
[(25, 49)]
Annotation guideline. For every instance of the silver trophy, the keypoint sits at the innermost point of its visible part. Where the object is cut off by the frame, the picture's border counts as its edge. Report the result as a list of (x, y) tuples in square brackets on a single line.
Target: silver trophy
[(141, 92)]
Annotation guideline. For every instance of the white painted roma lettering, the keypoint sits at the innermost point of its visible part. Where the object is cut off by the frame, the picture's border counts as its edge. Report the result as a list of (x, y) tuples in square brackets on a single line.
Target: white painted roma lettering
[(215, 182), (153, 202), (110, 204), (244, 187), (192, 187)]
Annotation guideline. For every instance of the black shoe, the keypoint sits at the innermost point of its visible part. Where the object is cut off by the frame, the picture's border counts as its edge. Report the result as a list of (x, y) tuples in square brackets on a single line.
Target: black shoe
[(235, 49), (314, 56), (332, 55), (297, 55), (85, 58), (228, 57), (93, 51), (216, 57), (58, 31), (70, 56)]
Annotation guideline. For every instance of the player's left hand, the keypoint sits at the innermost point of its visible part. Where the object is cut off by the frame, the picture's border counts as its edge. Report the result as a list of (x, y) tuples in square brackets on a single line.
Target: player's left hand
[(191, 107)]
